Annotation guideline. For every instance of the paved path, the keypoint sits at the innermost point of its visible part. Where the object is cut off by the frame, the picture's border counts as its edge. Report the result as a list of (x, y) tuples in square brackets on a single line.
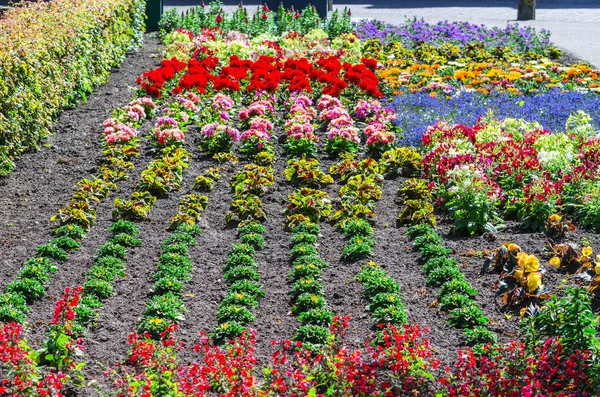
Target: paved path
[(574, 24)]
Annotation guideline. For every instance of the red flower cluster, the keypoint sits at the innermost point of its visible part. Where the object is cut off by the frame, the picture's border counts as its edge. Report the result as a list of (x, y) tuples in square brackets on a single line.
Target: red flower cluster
[(266, 74), (197, 75), (510, 371), (23, 377), (153, 81), (64, 309)]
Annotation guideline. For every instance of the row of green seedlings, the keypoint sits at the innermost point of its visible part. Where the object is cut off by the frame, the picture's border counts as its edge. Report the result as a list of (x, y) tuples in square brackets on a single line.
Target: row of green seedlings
[(249, 186), (382, 291), (174, 268), (359, 193), (164, 174), (455, 295), (64, 341), (307, 207), (165, 306), (120, 145), (383, 294)]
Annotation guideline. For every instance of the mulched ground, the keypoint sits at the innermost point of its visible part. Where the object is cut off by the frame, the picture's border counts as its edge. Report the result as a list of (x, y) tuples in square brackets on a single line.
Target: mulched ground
[(44, 181)]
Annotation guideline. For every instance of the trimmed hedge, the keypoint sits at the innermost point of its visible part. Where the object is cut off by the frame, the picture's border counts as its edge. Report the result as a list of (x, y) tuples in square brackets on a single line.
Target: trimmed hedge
[(51, 55)]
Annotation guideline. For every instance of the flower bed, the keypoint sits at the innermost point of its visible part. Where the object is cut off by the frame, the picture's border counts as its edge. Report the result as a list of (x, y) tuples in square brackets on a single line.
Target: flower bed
[(273, 111)]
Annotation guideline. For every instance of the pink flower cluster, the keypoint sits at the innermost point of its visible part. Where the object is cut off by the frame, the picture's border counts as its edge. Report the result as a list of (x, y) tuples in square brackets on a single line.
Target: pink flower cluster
[(327, 102), (188, 104), (258, 108), (262, 136), (260, 127), (166, 131), (222, 102), (135, 112), (214, 129), (146, 102), (378, 133), (340, 124), (298, 125), (365, 109), (118, 132)]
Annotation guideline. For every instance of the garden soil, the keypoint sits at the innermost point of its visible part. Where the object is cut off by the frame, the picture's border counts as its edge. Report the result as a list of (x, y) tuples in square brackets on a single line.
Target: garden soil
[(44, 181)]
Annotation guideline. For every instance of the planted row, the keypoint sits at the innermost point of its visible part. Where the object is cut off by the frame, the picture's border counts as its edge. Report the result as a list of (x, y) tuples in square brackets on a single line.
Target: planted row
[(249, 186), (455, 295)]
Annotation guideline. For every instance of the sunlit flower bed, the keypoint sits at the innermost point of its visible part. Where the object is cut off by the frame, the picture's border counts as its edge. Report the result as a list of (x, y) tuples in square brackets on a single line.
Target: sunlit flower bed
[(284, 90)]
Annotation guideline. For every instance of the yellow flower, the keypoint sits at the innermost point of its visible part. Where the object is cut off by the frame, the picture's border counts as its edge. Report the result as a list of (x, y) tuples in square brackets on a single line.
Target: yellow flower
[(519, 274), (534, 281), (314, 298), (555, 218), (513, 248), (597, 269), (155, 321), (555, 261), (532, 264), (586, 251)]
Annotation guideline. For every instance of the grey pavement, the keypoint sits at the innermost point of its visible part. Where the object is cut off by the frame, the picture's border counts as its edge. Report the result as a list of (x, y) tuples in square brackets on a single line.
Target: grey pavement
[(574, 24)]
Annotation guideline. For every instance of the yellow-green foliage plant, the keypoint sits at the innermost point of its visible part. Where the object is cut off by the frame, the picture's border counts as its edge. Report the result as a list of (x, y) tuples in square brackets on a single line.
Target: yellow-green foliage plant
[(51, 55)]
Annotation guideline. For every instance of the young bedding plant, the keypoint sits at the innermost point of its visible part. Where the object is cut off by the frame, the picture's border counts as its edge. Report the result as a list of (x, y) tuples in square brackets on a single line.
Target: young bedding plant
[(307, 207)]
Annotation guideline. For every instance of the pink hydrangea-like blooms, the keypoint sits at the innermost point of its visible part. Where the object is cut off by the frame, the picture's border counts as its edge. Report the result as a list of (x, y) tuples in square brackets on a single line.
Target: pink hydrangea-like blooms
[(333, 113), (119, 132), (209, 130), (260, 123), (166, 121), (300, 100), (109, 122), (193, 97), (188, 104), (374, 128), (365, 109), (145, 102), (164, 135), (348, 133), (327, 101), (341, 121), (222, 102), (381, 137), (263, 136)]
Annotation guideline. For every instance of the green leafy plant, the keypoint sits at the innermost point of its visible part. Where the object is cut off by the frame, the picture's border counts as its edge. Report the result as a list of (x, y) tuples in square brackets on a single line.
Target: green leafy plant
[(402, 161), (358, 227), (441, 275), (358, 247), (305, 172), (457, 287), (137, 208), (467, 317), (480, 335)]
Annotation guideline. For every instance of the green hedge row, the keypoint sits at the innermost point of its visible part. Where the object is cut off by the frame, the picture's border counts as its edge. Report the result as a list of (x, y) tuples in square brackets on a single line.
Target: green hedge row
[(51, 55)]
